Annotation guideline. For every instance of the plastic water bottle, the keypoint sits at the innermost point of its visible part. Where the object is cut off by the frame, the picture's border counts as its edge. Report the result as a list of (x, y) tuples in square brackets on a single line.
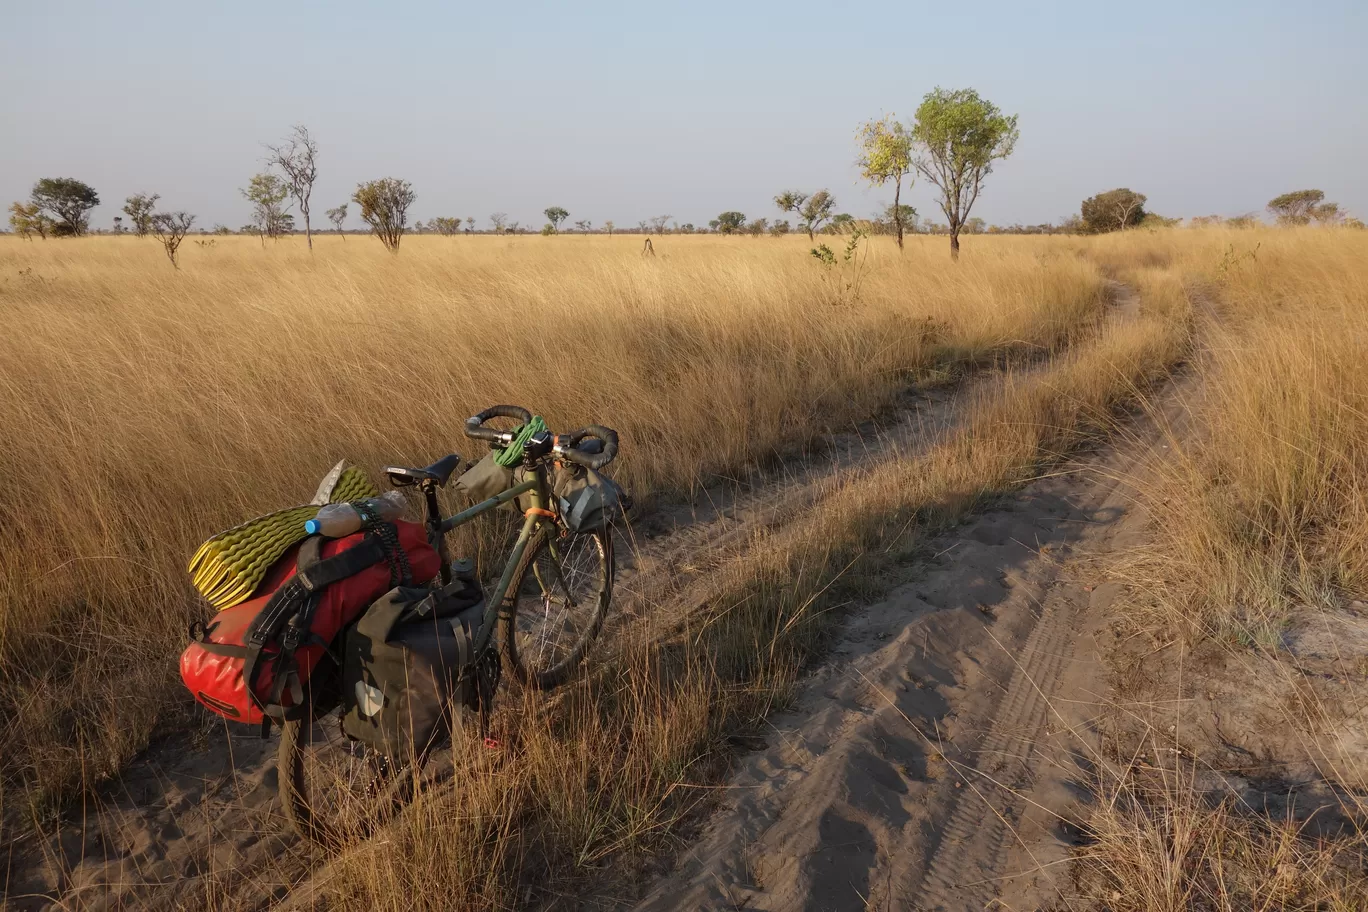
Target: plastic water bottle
[(342, 519)]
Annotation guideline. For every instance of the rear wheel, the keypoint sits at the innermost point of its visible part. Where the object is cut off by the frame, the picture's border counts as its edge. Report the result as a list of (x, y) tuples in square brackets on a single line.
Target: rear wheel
[(335, 790), (556, 604)]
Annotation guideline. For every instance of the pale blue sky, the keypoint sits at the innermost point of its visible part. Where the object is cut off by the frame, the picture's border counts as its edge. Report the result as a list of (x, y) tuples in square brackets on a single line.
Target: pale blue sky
[(627, 110)]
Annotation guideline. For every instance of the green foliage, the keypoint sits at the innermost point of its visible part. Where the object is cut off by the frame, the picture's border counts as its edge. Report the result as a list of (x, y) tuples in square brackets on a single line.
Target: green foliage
[(886, 155), (758, 227), (957, 136), (384, 206), (555, 215), (842, 222), (1301, 207), (139, 208), (68, 202), (1154, 220), (337, 215), (843, 276), (811, 210), (890, 221), (1114, 210), (445, 226), (728, 222), (267, 194), (778, 229), (26, 220), (548, 229)]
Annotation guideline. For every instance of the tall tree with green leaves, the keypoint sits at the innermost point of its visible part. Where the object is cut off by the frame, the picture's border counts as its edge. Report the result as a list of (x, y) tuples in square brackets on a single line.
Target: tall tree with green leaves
[(1114, 210), (728, 222), (957, 136), (886, 156), (139, 208), (384, 206), (1300, 207), (297, 159), (555, 215), (68, 201)]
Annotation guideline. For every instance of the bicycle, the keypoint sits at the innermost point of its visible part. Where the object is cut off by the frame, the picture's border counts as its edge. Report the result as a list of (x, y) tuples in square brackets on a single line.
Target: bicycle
[(543, 614)]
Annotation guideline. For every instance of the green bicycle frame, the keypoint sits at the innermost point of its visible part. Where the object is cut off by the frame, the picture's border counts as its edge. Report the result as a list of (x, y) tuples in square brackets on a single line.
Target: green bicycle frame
[(532, 519)]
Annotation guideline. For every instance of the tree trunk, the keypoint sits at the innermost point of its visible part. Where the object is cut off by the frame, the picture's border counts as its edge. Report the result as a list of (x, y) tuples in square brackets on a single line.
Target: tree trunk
[(897, 211), (308, 231), (954, 243)]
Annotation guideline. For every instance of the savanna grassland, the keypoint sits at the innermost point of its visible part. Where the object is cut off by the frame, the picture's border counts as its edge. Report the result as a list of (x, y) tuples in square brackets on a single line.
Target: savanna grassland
[(148, 407)]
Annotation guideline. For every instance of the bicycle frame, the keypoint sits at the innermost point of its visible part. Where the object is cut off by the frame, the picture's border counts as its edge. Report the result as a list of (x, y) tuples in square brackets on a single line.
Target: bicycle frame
[(438, 528)]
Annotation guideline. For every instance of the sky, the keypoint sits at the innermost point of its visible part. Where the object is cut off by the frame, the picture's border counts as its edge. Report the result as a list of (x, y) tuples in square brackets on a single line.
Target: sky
[(625, 111)]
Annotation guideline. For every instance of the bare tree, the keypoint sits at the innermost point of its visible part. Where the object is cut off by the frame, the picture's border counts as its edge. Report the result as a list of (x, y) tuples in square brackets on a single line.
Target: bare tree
[(337, 216), (384, 206), (470, 223), (658, 223), (500, 222), (171, 228), (297, 158), (608, 227)]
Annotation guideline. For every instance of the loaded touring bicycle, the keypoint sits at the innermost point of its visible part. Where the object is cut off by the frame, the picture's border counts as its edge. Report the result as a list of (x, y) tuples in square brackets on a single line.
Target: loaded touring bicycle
[(354, 631)]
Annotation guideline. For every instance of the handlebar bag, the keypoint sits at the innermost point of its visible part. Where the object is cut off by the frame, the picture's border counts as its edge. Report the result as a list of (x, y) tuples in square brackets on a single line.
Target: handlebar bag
[(254, 661), (586, 499)]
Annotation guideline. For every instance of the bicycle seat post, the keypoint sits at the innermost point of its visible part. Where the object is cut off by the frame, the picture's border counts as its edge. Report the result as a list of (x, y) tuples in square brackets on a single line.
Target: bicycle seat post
[(433, 522)]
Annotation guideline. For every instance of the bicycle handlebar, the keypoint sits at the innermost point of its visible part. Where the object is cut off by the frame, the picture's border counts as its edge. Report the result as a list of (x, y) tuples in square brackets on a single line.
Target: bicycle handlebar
[(568, 451), (476, 431), (566, 445)]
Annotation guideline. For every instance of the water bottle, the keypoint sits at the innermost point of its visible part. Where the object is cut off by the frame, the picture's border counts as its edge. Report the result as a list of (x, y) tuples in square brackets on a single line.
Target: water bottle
[(342, 519)]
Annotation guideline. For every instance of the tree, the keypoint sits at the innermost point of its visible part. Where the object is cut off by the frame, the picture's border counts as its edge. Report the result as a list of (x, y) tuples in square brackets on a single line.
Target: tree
[(894, 218), (816, 210), (779, 228), (500, 221), (728, 222), (790, 201), (384, 206), (267, 194), (657, 223), (171, 228), (975, 226), (337, 215), (555, 215), (582, 226), (758, 227), (27, 219), (139, 208), (445, 226), (1114, 210), (1300, 207), (69, 201), (886, 155), (957, 136), (842, 222), (470, 223), (297, 160)]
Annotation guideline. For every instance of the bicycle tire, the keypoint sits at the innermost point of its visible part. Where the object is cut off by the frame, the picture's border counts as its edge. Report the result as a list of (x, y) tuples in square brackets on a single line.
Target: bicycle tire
[(303, 790), (531, 580)]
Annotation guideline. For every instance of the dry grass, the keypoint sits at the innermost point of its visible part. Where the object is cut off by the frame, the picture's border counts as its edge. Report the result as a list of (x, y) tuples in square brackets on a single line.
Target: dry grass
[(148, 408), (632, 749), (1260, 516)]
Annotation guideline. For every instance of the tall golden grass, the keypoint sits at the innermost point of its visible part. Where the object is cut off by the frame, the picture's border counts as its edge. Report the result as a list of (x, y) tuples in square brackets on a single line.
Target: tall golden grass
[(148, 407)]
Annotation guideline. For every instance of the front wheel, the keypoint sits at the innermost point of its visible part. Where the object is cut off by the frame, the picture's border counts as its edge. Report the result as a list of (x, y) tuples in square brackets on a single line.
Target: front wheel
[(556, 604)]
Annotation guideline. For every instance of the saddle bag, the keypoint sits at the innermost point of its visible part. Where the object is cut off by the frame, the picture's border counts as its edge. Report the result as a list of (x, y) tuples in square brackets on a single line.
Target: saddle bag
[(257, 661), (409, 670)]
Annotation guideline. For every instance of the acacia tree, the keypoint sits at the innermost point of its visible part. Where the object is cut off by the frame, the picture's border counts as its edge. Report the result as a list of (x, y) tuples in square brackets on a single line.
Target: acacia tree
[(657, 223), (810, 211), (886, 155), (957, 136), (728, 222), (555, 215), (1114, 210), (139, 208), (500, 222), (582, 226), (608, 227), (445, 226), (337, 215), (171, 229), (384, 206), (267, 194), (69, 201), (1301, 206), (297, 160)]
